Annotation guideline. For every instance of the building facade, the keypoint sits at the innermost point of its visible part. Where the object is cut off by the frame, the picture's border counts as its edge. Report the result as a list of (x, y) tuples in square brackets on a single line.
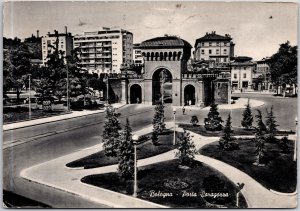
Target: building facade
[(242, 70), (61, 41), (214, 47), (104, 51), (261, 76), (137, 55)]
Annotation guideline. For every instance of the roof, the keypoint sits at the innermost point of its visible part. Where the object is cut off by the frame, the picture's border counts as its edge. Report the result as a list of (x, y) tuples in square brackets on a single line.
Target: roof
[(165, 42), (242, 59), (213, 37)]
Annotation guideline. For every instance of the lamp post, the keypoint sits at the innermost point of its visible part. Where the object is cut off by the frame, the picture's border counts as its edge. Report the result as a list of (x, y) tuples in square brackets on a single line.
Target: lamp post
[(29, 100), (295, 146), (174, 138), (68, 94), (135, 139)]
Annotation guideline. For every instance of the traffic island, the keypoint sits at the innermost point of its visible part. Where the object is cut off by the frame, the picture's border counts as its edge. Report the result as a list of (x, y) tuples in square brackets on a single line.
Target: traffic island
[(168, 184), (278, 172)]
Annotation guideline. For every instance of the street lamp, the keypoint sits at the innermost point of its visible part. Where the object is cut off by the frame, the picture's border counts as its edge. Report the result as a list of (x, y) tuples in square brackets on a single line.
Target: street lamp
[(29, 101), (135, 139), (68, 94), (174, 138), (295, 147)]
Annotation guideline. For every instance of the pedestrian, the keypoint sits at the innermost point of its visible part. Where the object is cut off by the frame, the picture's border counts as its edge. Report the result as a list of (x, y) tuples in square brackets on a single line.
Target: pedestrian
[(183, 110)]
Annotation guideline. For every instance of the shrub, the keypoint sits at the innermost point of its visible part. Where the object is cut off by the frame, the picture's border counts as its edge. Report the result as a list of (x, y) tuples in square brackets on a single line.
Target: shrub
[(227, 142), (247, 117), (213, 120), (283, 144), (186, 149), (194, 120)]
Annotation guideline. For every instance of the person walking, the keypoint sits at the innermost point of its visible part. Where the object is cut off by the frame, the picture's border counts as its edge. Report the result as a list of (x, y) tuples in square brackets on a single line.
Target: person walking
[(183, 110)]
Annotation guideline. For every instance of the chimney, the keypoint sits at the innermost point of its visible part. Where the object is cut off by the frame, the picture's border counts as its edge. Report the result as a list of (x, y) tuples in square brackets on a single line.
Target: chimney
[(66, 30), (37, 33)]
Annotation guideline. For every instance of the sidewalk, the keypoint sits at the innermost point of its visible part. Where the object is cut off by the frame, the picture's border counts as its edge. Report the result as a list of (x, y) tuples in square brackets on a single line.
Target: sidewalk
[(74, 114), (68, 180), (239, 104)]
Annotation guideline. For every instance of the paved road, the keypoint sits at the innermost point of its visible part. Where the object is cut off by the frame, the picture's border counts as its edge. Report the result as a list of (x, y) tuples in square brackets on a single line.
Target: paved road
[(50, 147)]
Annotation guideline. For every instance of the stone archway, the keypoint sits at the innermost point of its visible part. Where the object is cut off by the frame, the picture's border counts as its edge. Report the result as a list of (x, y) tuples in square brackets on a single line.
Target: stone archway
[(189, 95), (135, 94), (162, 86)]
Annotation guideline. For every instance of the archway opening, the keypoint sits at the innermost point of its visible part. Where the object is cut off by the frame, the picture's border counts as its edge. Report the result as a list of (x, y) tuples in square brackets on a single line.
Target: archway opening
[(135, 94), (189, 95), (162, 86)]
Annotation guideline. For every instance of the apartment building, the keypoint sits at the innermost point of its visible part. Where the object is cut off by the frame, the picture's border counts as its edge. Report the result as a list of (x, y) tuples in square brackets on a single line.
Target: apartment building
[(214, 47), (242, 70), (137, 54), (62, 41), (104, 51)]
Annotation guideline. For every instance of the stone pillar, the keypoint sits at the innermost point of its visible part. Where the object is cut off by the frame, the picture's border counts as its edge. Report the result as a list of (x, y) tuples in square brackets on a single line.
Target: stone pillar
[(124, 98), (147, 92)]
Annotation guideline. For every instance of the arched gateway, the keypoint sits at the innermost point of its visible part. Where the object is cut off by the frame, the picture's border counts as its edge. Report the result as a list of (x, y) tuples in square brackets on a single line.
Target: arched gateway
[(164, 76)]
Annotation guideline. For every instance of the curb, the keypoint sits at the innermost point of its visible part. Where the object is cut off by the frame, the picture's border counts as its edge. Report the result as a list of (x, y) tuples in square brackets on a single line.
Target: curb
[(8, 129)]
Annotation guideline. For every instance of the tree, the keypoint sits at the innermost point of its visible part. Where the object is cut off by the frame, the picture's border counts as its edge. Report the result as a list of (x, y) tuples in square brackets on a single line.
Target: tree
[(259, 139), (213, 120), (194, 120), (247, 117), (16, 66), (283, 144), (154, 137), (283, 66), (186, 149), (271, 125), (227, 142), (159, 118), (110, 136), (126, 153)]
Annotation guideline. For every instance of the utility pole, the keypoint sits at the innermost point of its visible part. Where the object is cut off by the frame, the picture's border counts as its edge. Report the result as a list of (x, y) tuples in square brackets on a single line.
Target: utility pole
[(29, 100)]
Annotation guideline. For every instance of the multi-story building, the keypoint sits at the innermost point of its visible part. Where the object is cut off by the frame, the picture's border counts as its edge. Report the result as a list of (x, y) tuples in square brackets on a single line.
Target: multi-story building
[(62, 41), (261, 77), (242, 69), (137, 54), (104, 51), (214, 47)]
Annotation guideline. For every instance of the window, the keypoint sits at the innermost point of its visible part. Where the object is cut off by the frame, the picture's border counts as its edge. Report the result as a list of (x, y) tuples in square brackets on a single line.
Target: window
[(209, 44), (235, 76), (217, 43), (62, 46), (245, 68), (225, 59), (245, 75), (202, 44), (225, 51), (225, 44), (202, 51), (217, 51), (209, 51)]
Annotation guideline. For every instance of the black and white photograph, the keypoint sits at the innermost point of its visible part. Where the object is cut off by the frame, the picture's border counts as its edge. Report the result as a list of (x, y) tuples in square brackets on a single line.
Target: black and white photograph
[(149, 104)]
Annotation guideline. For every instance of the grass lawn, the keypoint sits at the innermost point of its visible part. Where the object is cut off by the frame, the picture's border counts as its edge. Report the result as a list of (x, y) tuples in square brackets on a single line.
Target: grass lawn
[(166, 183), (144, 150), (22, 114), (237, 131), (279, 174)]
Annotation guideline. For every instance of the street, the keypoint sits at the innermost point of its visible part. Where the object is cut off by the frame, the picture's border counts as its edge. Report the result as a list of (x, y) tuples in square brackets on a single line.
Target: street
[(46, 148)]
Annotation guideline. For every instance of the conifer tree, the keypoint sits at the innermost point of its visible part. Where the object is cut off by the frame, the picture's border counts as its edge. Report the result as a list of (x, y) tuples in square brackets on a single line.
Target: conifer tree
[(260, 139), (213, 120), (111, 134), (227, 142), (186, 149), (159, 118), (247, 117), (126, 153), (271, 125)]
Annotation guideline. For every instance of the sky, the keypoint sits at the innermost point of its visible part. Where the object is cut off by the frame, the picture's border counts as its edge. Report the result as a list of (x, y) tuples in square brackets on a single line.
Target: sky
[(257, 28)]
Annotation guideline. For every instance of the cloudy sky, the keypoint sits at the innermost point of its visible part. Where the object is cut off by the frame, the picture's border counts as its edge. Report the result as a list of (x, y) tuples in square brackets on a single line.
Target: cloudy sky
[(256, 28)]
